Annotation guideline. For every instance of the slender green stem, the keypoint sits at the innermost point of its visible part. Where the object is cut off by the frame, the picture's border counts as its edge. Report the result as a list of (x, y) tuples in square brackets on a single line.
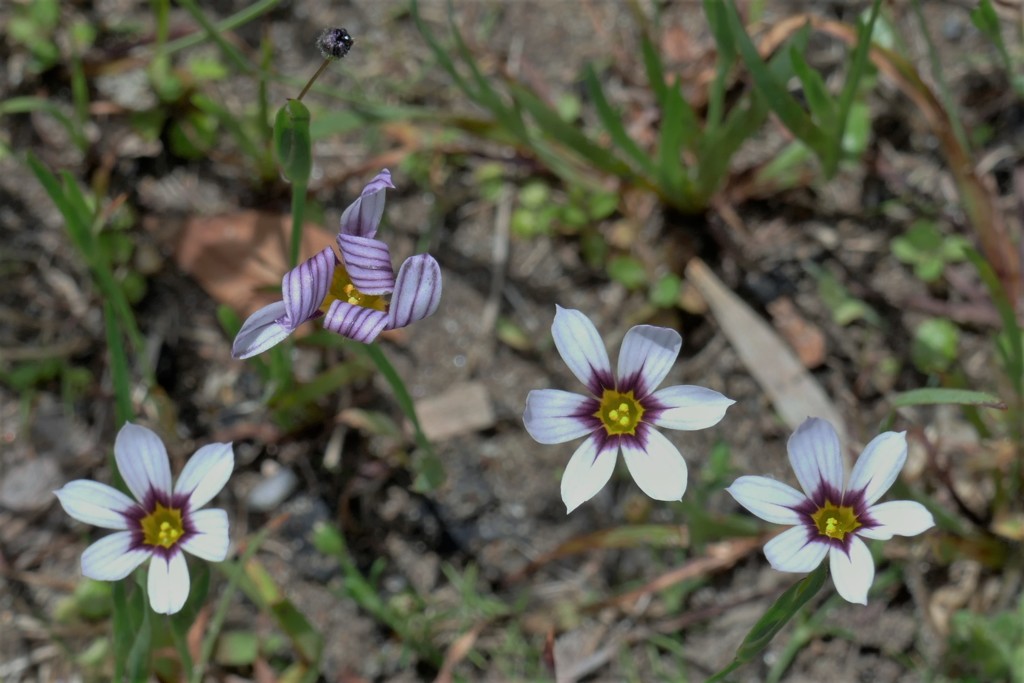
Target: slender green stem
[(311, 81), (298, 213)]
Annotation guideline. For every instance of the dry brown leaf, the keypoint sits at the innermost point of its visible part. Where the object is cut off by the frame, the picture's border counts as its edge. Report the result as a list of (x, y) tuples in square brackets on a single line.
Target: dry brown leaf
[(240, 258), (805, 337), (456, 652), (795, 394)]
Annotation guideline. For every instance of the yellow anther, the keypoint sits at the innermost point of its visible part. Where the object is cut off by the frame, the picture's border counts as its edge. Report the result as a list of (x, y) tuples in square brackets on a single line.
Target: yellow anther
[(624, 407)]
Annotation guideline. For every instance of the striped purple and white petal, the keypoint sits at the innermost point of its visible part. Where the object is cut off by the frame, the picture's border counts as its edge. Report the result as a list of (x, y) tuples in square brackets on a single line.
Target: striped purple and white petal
[(582, 349), (656, 464), (417, 291), (355, 322), (305, 287), (368, 264), (261, 331), (816, 459), (556, 416), (142, 461), (588, 470), (646, 356), (95, 503), (687, 407), (362, 216)]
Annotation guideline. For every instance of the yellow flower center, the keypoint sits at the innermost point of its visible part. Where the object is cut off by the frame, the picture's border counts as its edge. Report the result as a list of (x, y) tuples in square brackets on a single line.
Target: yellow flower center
[(835, 521), (162, 526), (342, 289), (619, 412)]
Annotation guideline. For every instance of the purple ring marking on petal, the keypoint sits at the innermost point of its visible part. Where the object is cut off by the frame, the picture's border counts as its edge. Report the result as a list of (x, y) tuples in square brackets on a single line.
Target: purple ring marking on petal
[(355, 322)]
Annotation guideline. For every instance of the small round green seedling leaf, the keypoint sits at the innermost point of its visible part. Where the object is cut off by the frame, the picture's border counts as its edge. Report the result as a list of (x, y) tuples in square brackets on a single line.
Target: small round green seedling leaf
[(935, 344)]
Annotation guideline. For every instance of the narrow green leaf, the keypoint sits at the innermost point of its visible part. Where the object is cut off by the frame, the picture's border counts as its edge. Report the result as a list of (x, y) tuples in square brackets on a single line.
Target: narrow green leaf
[(137, 664), (777, 616), (1013, 352), (612, 122), (22, 105), (307, 640), (858, 65), (118, 366), (431, 472), (726, 57), (773, 88), (558, 129), (818, 98), (672, 175), (655, 69), (932, 396)]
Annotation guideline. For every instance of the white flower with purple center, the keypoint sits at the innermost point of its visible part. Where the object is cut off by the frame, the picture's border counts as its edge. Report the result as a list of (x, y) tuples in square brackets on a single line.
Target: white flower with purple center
[(358, 296), (161, 522), (622, 410), (830, 518)]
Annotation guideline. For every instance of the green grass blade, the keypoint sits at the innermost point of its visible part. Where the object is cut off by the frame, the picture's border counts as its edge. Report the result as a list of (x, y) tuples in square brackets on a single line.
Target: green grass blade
[(823, 108), (655, 69), (858, 65), (773, 87), (932, 396), (430, 473), (119, 372), (726, 47), (24, 105), (777, 616), (213, 33), (556, 128), (612, 122), (671, 174)]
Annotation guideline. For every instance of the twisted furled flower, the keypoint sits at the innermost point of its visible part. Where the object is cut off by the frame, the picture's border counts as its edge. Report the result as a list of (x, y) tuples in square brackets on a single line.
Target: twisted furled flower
[(828, 517), (161, 522), (621, 411), (358, 296)]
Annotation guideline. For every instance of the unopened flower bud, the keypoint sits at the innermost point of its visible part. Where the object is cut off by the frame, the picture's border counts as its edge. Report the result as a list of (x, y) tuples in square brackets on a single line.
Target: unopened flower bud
[(334, 43)]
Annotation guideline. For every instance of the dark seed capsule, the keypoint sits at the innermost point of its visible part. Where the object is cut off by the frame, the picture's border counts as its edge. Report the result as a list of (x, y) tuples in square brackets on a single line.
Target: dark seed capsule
[(334, 43)]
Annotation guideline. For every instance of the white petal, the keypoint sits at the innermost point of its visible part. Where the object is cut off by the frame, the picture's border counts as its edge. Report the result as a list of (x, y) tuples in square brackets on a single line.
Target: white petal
[(142, 460), (659, 469), (852, 573), (586, 474), (95, 503), (582, 349), (770, 500), (879, 465), (210, 541), (690, 407), (898, 518), (205, 474), (646, 356), (168, 583), (815, 457), (112, 558), (555, 416), (260, 331), (794, 551)]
